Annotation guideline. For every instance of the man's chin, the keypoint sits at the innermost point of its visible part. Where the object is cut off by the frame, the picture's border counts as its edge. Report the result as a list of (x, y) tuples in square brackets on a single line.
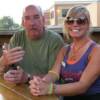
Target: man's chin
[(35, 37)]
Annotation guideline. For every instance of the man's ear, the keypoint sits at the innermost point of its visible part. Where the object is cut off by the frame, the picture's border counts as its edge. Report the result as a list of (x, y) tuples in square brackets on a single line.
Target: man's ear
[(43, 20)]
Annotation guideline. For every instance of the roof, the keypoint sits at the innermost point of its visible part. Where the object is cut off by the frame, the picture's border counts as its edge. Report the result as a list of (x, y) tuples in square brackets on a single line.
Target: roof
[(8, 32), (56, 28), (76, 1), (95, 29)]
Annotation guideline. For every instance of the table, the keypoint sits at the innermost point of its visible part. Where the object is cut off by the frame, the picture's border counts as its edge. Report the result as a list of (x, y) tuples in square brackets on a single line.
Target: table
[(9, 91)]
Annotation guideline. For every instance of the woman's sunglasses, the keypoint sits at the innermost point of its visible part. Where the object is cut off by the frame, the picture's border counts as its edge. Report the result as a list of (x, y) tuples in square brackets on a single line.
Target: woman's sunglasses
[(79, 21)]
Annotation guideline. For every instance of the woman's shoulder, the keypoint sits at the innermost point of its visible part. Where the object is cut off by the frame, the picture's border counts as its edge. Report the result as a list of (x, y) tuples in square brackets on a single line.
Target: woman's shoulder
[(95, 52), (96, 49)]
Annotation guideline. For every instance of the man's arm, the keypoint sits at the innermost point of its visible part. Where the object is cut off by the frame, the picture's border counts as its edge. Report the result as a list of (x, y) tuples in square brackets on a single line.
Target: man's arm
[(2, 66)]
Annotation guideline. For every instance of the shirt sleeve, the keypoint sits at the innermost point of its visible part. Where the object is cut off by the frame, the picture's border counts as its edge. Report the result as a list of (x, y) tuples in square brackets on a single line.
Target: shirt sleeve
[(55, 47)]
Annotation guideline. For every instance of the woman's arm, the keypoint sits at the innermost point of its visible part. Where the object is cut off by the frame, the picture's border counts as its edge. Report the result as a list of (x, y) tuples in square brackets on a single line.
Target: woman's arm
[(44, 86), (53, 74)]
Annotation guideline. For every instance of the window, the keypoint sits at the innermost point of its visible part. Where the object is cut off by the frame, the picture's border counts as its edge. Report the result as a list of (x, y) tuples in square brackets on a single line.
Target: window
[(64, 12), (52, 14)]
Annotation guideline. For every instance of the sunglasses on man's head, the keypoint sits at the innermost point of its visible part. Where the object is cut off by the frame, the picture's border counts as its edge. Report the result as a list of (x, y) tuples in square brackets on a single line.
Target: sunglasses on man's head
[(79, 21)]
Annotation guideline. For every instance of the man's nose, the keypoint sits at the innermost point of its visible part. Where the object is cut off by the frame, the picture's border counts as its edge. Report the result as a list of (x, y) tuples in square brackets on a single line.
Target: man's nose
[(32, 21)]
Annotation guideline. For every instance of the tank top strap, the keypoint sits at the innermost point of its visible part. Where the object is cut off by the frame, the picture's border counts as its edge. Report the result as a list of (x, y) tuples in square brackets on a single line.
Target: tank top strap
[(84, 56), (67, 51)]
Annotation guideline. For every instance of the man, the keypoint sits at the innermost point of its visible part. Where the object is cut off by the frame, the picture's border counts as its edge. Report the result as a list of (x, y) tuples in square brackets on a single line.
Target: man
[(40, 46)]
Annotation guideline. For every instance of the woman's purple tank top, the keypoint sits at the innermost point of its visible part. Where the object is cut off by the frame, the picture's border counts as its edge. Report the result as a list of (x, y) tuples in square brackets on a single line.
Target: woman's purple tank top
[(72, 72)]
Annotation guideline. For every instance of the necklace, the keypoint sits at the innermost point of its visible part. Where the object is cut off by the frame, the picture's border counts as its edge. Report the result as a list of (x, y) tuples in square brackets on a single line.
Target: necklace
[(75, 51)]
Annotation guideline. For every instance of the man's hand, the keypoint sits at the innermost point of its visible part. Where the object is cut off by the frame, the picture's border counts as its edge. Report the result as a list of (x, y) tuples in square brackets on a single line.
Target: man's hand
[(11, 56), (16, 76)]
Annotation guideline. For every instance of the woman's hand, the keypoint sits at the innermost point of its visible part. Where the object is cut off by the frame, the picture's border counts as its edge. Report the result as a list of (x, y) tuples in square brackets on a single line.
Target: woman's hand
[(38, 86)]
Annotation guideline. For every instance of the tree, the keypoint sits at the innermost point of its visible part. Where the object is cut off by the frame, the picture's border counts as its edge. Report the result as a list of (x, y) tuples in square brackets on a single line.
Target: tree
[(7, 23)]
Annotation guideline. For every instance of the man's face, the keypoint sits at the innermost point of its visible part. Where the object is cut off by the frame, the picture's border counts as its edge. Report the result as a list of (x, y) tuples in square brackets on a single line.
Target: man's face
[(33, 22)]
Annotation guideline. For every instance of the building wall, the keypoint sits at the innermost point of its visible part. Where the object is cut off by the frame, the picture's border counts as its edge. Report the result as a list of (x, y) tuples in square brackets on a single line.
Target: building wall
[(98, 13), (93, 13), (47, 16), (58, 19), (93, 7), (52, 16)]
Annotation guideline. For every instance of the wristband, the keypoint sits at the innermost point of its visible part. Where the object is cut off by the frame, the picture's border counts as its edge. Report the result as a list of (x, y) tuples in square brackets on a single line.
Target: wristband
[(50, 91), (53, 72)]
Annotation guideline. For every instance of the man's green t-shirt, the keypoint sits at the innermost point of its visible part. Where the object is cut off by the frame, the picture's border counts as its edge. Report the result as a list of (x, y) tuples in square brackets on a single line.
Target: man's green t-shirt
[(40, 54)]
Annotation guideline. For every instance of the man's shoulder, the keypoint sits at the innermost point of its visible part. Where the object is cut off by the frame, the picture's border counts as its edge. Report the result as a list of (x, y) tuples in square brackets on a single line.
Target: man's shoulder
[(19, 33), (52, 34), (53, 38)]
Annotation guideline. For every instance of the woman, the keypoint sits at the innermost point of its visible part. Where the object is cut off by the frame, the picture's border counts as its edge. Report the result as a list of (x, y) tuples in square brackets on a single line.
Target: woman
[(77, 65)]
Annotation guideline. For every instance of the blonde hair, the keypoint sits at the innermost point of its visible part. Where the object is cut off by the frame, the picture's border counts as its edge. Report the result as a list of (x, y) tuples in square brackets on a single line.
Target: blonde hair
[(80, 9)]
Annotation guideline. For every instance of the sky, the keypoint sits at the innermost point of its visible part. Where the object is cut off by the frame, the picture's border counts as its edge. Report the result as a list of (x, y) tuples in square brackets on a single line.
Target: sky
[(14, 8)]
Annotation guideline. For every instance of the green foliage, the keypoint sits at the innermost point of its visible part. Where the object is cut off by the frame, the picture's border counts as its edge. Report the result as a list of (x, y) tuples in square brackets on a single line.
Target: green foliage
[(7, 23)]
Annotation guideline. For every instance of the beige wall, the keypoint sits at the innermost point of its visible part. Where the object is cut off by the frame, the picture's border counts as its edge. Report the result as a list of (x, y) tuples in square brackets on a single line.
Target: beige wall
[(52, 20), (93, 13), (98, 14), (59, 18)]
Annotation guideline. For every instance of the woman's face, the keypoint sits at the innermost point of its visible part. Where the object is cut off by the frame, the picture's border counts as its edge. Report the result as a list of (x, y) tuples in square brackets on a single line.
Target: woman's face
[(77, 26)]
